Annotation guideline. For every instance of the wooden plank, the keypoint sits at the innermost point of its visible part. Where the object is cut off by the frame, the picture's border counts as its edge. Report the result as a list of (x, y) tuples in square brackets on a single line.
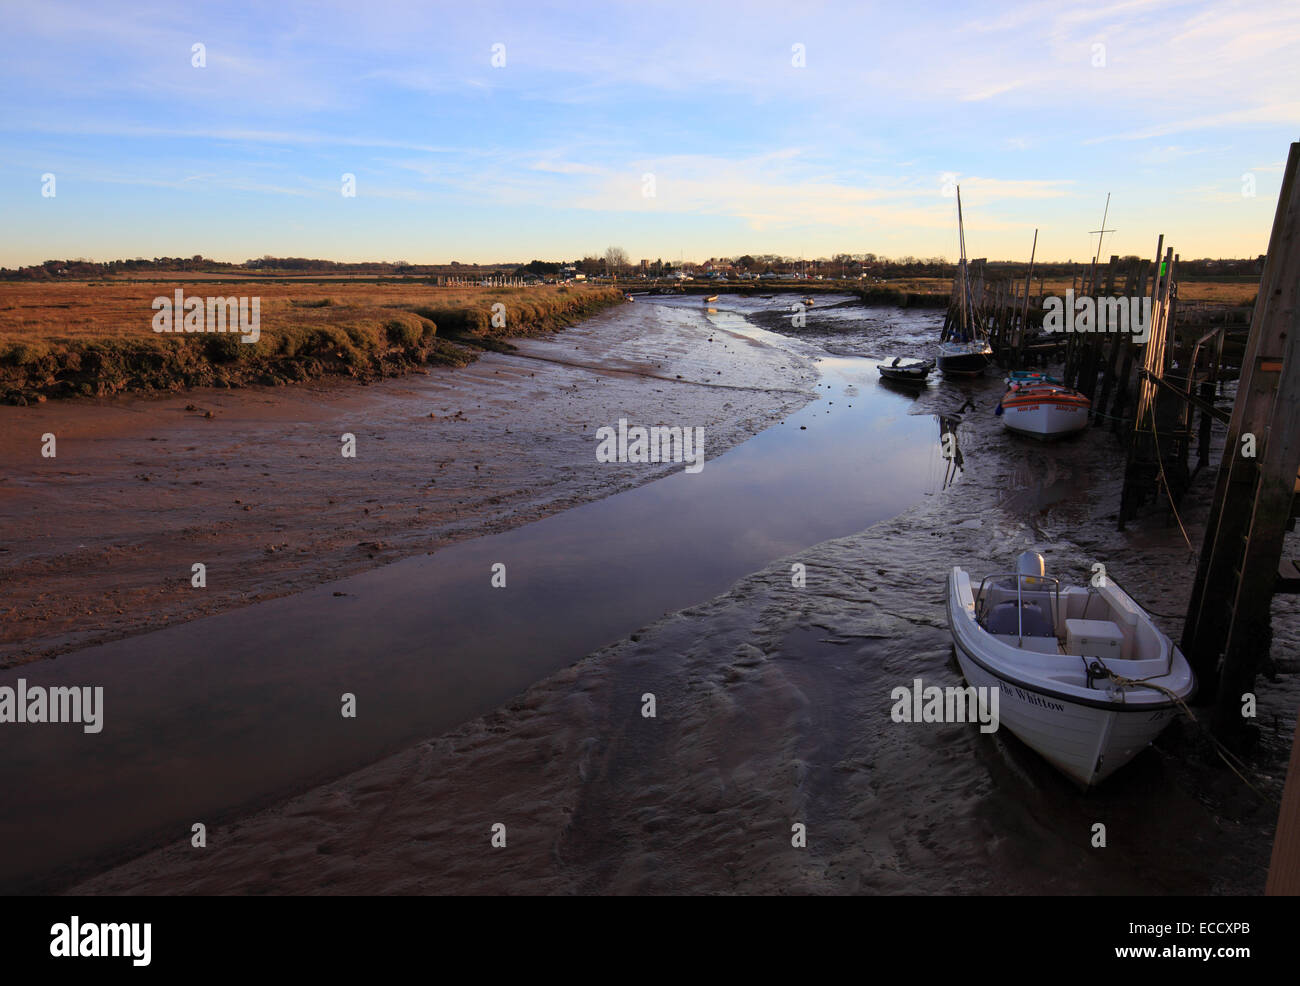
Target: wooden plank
[(1207, 408), (1284, 867), (1288, 577)]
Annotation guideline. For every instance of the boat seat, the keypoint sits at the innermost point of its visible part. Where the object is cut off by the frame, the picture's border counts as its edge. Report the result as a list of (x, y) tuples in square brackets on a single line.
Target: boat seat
[(1036, 622)]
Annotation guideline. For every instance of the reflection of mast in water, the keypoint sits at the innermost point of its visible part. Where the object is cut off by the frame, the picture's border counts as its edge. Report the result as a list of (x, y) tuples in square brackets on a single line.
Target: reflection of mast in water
[(950, 449)]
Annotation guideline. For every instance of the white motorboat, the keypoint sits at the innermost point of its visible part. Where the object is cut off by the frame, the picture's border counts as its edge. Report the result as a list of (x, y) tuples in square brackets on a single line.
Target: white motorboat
[(1043, 409), (1084, 676)]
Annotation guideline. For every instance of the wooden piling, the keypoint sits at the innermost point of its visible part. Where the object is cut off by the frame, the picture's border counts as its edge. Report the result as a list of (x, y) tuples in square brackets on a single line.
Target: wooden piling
[(1227, 633), (1284, 867)]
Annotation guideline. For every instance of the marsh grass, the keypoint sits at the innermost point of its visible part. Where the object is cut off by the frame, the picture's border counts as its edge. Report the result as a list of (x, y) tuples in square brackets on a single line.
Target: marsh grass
[(97, 338)]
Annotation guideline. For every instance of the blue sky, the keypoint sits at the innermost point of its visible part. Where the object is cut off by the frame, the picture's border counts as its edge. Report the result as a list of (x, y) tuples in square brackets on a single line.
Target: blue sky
[(547, 155)]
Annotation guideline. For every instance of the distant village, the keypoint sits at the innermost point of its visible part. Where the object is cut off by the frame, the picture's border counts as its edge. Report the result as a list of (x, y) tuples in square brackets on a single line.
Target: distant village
[(613, 266)]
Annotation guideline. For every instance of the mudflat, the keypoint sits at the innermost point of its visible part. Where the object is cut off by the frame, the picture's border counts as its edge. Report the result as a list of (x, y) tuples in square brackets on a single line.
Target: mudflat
[(100, 541)]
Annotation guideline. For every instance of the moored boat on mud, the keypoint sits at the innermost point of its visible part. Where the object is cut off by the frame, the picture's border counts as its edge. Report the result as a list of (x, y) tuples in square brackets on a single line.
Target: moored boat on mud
[(1043, 409), (964, 359), (1032, 376), (905, 370), (965, 350), (1085, 678)]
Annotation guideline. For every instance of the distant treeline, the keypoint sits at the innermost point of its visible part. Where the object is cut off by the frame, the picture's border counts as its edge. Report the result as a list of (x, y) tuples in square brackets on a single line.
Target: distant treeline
[(841, 266), (82, 268)]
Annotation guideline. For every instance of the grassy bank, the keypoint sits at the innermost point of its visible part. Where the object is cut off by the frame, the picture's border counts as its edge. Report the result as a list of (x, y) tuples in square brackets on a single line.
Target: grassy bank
[(96, 338), (881, 294)]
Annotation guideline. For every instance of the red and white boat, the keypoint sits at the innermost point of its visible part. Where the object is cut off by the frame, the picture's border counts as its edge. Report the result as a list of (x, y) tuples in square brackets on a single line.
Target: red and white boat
[(1043, 409)]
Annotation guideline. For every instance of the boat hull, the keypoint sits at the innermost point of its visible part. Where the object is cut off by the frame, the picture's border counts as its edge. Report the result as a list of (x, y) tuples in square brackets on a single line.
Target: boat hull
[(1086, 743), (898, 376), (964, 360), (1085, 731), (913, 371), (1045, 415)]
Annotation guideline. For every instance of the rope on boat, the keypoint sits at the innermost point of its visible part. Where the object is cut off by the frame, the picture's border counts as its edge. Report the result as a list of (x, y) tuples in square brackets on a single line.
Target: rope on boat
[(1219, 748)]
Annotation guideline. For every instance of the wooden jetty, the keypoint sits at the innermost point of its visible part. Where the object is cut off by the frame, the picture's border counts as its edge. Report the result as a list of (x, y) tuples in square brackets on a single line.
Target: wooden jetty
[(1227, 632), (1162, 399)]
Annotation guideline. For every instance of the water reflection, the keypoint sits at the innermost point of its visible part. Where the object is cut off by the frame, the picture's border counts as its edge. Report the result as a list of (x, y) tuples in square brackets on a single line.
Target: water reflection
[(950, 449), (240, 709)]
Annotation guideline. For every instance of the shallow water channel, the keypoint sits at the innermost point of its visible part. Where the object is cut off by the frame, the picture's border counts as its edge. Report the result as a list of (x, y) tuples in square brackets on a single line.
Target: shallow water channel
[(231, 712)]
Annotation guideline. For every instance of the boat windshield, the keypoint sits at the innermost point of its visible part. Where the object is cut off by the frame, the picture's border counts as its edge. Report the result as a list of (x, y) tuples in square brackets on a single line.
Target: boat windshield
[(1018, 604)]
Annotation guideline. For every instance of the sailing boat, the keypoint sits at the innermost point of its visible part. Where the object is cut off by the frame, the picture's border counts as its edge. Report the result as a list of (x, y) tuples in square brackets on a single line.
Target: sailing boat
[(966, 351)]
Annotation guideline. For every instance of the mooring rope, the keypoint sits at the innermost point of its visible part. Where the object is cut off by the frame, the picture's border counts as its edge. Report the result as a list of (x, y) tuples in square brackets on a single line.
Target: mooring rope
[(1164, 481), (1109, 417), (1177, 699)]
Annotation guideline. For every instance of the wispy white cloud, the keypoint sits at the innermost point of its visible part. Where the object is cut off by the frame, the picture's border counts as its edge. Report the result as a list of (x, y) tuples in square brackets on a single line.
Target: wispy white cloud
[(997, 89), (1287, 113), (740, 140), (238, 135), (566, 168)]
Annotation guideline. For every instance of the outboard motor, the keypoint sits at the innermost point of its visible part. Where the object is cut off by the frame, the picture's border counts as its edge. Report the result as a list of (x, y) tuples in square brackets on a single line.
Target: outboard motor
[(1031, 563), (1033, 618), (1032, 567)]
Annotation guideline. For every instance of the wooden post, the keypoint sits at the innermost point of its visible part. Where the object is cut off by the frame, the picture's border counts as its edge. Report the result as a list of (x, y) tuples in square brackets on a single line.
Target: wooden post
[(1141, 451), (1227, 632), (1284, 868)]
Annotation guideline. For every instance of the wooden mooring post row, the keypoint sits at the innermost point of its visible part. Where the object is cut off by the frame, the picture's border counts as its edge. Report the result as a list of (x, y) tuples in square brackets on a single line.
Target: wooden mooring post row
[(1157, 444), (1004, 311), (1152, 411), (1227, 633)]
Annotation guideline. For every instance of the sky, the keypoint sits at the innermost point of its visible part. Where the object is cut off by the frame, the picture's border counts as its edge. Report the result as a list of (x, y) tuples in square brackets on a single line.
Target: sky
[(492, 132)]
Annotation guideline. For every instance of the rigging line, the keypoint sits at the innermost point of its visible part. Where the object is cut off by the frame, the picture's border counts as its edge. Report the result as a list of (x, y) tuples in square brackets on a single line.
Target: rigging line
[(1219, 748), (1164, 481)]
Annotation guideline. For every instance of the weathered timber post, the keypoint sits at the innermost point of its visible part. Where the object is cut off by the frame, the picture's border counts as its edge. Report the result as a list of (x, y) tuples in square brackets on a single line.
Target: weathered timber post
[(1227, 633), (1284, 868)]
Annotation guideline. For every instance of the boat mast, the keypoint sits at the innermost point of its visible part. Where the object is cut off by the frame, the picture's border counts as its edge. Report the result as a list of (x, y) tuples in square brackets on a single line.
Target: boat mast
[(1029, 277), (1101, 235), (961, 245), (1103, 231)]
